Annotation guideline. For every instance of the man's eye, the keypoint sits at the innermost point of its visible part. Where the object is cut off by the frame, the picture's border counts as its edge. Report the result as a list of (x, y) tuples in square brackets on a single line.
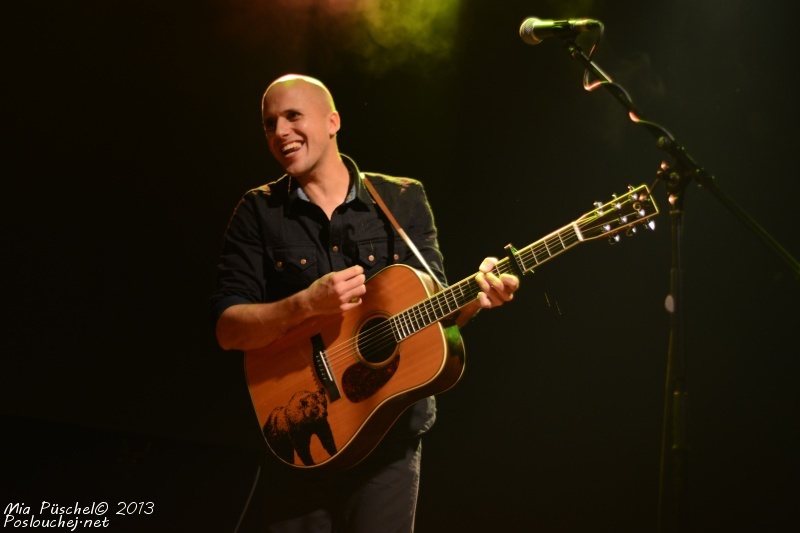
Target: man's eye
[(269, 125), (294, 115)]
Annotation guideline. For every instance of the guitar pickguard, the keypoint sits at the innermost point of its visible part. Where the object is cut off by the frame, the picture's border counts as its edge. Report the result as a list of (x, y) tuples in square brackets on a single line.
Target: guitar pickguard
[(359, 381)]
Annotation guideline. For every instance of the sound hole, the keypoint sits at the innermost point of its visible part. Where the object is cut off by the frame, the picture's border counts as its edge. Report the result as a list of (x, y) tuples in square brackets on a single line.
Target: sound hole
[(376, 342)]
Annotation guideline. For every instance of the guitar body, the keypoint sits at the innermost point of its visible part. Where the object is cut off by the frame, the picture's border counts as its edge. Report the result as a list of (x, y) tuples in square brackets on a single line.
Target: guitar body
[(327, 392)]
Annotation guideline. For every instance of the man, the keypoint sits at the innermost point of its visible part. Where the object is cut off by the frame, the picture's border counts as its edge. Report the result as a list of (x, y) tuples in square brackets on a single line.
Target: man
[(304, 246)]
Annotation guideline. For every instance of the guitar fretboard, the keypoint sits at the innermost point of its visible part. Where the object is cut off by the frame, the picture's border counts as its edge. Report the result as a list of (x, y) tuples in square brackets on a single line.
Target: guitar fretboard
[(456, 296)]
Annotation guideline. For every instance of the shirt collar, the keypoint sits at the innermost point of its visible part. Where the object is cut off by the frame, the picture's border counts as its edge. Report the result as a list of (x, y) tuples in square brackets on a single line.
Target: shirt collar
[(357, 188)]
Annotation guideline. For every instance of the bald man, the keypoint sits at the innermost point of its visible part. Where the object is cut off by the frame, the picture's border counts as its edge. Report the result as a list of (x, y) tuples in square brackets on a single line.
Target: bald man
[(304, 246)]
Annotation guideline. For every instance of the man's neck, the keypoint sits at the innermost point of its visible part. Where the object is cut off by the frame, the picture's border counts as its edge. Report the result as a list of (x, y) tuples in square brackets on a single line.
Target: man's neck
[(327, 186)]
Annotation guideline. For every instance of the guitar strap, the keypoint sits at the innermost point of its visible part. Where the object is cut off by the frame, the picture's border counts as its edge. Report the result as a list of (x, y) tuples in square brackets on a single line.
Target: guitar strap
[(390, 216)]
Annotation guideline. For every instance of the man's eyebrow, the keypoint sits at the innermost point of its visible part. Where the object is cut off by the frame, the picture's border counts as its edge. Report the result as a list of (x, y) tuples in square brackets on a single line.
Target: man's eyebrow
[(283, 112)]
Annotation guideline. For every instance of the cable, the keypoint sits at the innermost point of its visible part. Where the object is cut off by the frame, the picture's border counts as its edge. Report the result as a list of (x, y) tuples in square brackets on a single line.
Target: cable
[(249, 499)]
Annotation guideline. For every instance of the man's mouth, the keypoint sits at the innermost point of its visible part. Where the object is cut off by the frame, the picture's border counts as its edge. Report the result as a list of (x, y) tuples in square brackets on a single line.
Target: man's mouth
[(290, 148)]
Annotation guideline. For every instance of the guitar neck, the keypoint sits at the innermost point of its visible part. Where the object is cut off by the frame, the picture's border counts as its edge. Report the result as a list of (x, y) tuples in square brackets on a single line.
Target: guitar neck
[(458, 295), (605, 221)]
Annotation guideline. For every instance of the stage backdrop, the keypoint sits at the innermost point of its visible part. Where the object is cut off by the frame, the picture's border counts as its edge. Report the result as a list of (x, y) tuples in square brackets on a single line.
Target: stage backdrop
[(133, 128)]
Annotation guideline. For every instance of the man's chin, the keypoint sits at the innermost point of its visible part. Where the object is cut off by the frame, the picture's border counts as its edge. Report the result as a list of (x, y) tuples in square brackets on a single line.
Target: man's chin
[(293, 168)]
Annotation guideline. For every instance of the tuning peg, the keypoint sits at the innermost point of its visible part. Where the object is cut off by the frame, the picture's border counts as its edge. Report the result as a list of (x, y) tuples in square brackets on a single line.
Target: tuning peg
[(614, 239), (599, 207)]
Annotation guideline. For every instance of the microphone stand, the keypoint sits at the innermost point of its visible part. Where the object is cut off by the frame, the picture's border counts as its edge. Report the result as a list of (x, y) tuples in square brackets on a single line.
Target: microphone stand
[(676, 177)]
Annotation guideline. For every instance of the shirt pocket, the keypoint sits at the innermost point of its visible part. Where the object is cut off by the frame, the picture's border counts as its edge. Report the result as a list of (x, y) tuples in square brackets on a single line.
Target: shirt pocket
[(291, 268), (375, 255)]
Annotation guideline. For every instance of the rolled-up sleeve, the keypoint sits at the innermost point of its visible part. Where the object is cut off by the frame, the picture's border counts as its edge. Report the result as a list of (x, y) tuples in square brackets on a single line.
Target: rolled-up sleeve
[(240, 271)]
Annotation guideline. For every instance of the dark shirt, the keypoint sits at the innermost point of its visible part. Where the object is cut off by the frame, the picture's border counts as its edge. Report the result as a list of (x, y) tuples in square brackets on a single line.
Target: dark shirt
[(278, 242)]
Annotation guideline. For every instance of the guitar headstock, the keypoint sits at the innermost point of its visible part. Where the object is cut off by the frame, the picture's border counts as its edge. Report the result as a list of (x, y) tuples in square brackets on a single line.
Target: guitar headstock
[(621, 213)]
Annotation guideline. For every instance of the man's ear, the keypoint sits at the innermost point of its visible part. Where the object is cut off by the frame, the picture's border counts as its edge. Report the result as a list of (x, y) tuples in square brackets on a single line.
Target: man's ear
[(335, 123)]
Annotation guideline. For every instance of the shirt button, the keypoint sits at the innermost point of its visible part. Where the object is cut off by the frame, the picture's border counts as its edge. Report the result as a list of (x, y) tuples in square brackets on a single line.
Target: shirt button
[(371, 258), (396, 257), (335, 248), (303, 261), (279, 264)]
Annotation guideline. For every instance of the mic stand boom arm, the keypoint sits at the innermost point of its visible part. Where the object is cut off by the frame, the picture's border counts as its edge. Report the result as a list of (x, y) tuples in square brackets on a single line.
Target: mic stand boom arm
[(676, 177), (686, 168)]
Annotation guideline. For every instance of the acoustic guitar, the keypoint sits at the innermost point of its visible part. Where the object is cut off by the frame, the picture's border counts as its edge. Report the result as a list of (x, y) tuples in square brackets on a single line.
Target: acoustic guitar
[(327, 392)]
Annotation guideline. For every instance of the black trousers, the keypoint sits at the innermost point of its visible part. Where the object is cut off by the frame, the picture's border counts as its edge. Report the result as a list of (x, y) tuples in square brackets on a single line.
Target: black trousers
[(379, 494)]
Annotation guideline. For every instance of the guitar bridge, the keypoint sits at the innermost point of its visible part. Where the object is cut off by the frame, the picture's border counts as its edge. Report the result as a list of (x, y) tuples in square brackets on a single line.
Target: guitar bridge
[(323, 369)]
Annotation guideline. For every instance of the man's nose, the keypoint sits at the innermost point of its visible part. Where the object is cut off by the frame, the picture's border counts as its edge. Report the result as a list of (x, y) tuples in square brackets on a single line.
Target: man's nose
[(282, 127)]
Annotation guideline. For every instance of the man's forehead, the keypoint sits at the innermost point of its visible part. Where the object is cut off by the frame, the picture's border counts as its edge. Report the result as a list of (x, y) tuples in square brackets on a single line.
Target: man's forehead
[(285, 95)]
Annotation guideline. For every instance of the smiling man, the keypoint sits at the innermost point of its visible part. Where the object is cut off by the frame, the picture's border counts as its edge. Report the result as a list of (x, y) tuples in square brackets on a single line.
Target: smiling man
[(301, 122), (304, 246)]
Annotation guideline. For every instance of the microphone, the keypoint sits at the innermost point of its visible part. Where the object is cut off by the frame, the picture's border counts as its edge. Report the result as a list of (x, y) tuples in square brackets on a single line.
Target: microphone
[(533, 30)]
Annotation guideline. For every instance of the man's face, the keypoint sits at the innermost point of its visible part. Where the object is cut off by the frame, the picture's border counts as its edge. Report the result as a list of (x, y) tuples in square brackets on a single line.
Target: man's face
[(299, 123)]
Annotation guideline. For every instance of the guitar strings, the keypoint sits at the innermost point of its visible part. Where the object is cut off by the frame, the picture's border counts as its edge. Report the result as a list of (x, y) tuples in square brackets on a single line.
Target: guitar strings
[(418, 316), (405, 323), (381, 336)]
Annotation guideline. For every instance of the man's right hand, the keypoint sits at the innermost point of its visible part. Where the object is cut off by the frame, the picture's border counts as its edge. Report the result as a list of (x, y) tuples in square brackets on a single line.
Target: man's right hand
[(248, 326), (338, 291)]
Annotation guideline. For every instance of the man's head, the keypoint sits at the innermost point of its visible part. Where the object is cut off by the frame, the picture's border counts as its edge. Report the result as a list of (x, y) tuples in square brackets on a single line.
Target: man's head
[(301, 122)]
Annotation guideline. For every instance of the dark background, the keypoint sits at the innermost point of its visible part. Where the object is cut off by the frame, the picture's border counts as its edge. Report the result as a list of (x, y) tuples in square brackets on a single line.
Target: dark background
[(133, 127)]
